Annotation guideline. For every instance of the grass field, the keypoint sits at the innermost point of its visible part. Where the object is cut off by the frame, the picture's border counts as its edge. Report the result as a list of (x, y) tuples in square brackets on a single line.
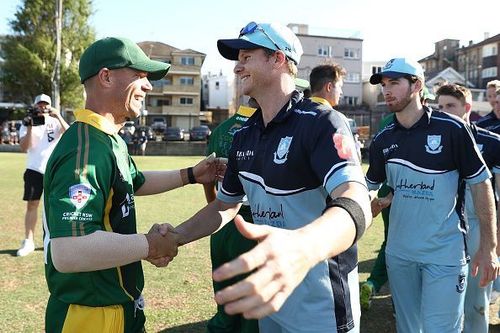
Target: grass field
[(179, 297)]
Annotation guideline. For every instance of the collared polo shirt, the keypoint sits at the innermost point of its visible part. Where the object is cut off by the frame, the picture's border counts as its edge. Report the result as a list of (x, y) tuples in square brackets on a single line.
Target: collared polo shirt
[(89, 185), (424, 166), (287, 170)]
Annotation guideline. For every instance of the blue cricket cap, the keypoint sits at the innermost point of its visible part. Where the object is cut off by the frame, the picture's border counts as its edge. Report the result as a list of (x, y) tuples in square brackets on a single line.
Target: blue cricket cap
[(396, 68), (272, 36)]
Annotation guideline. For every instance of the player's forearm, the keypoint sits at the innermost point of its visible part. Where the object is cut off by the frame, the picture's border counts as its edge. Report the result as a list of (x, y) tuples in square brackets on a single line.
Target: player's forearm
[(161, 181), (210, 192), (206, 221), (97, 251), (335, 231), (484, 206)]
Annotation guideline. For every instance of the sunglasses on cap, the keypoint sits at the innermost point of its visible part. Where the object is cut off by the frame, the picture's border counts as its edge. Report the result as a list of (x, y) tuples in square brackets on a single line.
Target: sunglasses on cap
[(251, 27)]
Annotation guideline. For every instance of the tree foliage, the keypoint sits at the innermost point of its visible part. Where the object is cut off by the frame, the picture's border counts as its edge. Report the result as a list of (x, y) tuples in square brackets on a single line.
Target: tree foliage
[(29, 52)]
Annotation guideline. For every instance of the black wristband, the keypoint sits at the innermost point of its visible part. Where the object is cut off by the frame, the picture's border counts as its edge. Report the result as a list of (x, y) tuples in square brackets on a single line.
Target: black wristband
[(191, 178), (354, 210)]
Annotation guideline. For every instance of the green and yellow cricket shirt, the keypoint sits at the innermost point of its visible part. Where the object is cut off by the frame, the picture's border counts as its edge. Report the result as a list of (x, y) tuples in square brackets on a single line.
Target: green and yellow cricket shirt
[(89, 185)]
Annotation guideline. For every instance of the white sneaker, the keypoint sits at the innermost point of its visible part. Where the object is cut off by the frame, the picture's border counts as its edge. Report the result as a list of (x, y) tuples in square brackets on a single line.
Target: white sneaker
[(27, 246)]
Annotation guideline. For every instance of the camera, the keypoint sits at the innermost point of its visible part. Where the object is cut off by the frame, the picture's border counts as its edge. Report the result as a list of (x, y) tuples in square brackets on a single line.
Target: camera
[(34, 117)]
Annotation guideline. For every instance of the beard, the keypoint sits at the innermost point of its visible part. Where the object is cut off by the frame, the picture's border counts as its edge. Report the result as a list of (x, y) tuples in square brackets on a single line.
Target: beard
[(400, 105)]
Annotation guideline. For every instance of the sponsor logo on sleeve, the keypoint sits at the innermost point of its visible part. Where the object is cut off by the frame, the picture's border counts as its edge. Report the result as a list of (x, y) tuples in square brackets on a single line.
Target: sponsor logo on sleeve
[(79, 195)]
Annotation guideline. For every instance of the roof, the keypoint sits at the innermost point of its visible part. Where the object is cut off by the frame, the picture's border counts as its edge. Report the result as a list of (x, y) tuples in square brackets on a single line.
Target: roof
[(156, 49)]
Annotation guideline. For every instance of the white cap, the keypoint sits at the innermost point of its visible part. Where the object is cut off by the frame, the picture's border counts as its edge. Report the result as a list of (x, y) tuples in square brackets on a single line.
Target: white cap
[(43, 98)]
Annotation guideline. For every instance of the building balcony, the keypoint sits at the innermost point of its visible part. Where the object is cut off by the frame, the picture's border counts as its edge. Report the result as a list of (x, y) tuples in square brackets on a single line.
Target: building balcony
[(174, 110), (193, 90)]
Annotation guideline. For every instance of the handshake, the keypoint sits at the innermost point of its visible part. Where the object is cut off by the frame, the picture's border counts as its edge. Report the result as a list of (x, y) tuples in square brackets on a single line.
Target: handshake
[(163, 242)]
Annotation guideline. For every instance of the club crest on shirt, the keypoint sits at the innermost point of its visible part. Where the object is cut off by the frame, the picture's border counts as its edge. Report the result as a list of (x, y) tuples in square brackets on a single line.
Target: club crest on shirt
[(461, 283), (433, 145), (79, 194), (281, 154)]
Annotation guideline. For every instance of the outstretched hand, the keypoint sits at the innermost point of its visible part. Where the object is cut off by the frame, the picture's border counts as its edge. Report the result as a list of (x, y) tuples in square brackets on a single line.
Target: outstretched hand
[(279, 263), (378, 204), (210, 169)]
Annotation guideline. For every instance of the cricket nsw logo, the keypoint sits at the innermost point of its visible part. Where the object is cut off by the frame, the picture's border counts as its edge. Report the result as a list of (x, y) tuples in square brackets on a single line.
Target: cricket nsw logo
[(433, 145), (79, 194), (281, 154)]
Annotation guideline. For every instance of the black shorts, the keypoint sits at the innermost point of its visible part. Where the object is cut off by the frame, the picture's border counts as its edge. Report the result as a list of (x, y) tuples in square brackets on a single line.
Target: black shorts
[(33, 185)]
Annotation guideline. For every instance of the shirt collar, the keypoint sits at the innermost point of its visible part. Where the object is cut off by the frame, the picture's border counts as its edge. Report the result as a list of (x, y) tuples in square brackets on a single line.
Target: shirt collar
[(425, 120), (246, 111), (320, 100), (96, 120)]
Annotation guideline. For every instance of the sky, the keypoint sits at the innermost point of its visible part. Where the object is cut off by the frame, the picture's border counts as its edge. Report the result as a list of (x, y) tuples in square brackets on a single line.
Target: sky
[(389, 28)]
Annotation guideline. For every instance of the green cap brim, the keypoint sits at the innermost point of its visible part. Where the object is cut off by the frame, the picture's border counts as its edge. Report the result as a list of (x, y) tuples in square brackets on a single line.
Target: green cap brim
[(156, 69)]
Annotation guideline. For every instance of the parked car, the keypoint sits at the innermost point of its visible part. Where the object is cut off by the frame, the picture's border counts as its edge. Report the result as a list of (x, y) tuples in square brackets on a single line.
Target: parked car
[(199, 133), (159, 125), (353, 126), (174, 134), (149, 132)]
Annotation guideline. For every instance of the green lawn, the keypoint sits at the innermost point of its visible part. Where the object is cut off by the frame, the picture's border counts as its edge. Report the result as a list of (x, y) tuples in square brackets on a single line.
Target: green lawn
[(178, 298)]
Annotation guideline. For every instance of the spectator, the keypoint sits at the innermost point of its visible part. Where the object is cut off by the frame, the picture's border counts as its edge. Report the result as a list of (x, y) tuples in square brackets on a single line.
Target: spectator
[(39, 134)]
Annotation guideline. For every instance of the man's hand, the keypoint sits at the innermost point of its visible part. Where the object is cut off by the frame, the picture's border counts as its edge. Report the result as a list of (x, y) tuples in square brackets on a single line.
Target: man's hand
[(279, 263), (210, 169), (378, 204), (162, 245), (487, 262), (53, 112)]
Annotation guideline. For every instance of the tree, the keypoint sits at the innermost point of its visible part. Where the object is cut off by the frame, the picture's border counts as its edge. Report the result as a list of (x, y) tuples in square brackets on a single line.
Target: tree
[(29, 53)]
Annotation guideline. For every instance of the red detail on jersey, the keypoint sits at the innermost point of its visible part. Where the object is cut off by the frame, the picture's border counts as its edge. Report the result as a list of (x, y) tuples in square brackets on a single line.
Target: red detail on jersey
[(343, 146)]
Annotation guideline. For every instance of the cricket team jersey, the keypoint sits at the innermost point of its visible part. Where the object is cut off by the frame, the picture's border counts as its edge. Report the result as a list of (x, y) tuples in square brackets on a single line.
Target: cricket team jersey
[(287, 170), (89, 185), (424, 166), (221, 139), (490, 122), (488, 143)]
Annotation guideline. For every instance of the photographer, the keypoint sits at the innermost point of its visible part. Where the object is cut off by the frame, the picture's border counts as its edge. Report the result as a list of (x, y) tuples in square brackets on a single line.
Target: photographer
[(41, 130)]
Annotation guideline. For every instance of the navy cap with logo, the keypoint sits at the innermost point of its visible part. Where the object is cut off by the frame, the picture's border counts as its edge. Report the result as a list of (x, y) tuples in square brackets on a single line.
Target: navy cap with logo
[(396, 68), (272, 36)]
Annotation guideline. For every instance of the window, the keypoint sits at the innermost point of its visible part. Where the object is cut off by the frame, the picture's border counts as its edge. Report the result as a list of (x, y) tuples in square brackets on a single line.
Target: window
[(351, 53), (186, 100), (350, 100), (186, 81), (490, 50), (352, 77), (187, 60), (162, 102), (161, 83), (490, 72), (217, 85), (325, 51), (376, 69)]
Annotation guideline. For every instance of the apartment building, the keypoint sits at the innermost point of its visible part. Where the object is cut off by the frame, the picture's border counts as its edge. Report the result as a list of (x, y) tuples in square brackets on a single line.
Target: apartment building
[(477, 63), (348, 52), (177, 97)]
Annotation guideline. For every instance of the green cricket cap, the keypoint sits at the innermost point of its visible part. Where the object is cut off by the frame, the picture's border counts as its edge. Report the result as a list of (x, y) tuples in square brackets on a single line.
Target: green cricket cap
[(114, 53)]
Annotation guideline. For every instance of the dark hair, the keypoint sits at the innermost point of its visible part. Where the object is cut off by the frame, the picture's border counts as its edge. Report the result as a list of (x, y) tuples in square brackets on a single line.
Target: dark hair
[(322, 74), (459, 92)]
